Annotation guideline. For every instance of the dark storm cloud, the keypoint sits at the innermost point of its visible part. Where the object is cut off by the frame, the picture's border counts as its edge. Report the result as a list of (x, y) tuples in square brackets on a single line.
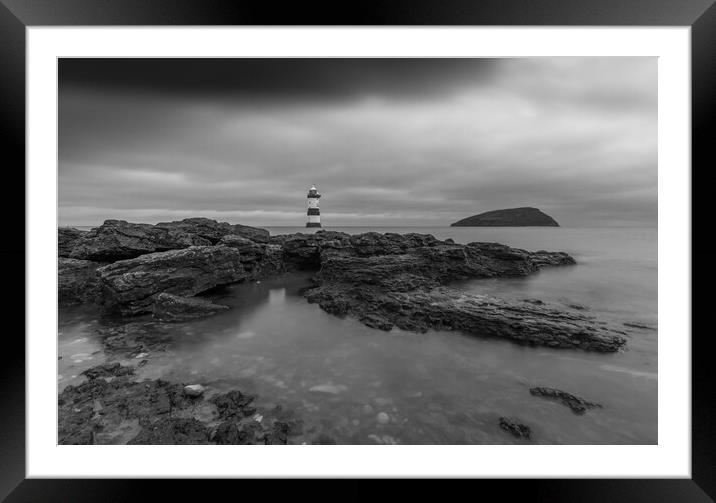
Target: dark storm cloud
[(393, 142), (283, 79)]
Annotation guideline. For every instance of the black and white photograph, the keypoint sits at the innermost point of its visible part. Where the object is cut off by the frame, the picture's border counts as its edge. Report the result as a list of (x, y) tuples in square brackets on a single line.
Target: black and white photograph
[(348, 251)]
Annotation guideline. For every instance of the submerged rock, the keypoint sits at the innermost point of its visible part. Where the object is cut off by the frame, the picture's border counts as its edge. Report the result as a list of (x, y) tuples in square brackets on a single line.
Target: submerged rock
[(168, 307), (515, 427), (111, 407), (578, 404), (332, 389), (382, 418), (130, 286)]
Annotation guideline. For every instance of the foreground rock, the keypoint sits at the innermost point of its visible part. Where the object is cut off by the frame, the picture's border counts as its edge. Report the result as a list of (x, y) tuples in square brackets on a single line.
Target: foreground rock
[(168, 307), (112, 408), (120, 240), (578, 404), (513, 217), (130, 286)]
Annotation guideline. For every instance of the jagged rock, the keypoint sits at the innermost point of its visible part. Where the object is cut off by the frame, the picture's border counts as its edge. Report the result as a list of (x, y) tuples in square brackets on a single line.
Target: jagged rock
[(578, 404), (250, 251), (119, 240), (304, 250), (403, 286), (444, 308), (515, 427), (130, 286), (173, 431), (66, 239), (77, 281), (113, 369), (513, 217), (213, 231), (111, 407), (234, 404), (168, 307)]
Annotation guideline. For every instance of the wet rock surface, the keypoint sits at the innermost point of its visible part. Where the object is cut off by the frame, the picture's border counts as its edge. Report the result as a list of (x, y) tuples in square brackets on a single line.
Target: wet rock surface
[(111, 407), (168, 307), (577, 404), (515, 427), (405, 287), (443, 308)]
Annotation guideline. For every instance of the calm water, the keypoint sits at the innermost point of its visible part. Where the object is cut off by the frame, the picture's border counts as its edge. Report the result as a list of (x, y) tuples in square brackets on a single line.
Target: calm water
[(438, 387)]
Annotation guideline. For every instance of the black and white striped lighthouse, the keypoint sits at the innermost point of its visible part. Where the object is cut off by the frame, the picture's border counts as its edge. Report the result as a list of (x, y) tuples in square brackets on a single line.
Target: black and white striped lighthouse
[(314, 214)]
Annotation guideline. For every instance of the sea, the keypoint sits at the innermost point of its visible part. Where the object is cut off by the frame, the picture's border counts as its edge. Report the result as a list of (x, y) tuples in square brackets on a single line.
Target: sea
[(364, 386)]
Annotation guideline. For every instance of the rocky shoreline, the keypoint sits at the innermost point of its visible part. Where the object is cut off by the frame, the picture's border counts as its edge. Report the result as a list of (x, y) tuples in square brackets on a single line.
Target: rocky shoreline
[(383, 280)]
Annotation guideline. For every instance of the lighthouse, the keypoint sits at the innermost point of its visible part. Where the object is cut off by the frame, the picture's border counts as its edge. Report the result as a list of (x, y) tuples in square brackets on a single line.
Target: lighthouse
[(314, 214)]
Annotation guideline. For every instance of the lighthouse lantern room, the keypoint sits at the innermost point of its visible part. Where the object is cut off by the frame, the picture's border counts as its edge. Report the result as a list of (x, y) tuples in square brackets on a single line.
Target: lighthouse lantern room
[(314, 214)]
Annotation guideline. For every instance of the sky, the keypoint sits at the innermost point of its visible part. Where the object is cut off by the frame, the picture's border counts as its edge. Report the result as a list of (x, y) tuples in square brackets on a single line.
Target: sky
[(388, 142)]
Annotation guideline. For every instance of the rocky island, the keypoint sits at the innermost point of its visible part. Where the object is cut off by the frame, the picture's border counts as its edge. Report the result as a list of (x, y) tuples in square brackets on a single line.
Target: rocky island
[(513, 217), (383, 280)]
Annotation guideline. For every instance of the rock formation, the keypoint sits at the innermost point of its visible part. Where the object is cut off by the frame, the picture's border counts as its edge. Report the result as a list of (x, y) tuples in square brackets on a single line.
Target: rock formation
[(384, 280), (131, 285), (513, 217)]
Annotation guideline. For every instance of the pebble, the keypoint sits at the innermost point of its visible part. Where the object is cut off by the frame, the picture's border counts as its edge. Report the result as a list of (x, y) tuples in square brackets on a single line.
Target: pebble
[(258, 418), (193, 390), (333, 389), (382, 418), (367, 410)]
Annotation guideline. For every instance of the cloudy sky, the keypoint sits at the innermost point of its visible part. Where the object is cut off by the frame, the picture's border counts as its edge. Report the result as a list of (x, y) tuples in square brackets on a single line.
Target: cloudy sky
[(387, 142)]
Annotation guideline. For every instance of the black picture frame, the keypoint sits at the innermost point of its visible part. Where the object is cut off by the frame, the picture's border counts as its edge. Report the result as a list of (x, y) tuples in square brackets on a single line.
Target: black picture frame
[(16, 15)]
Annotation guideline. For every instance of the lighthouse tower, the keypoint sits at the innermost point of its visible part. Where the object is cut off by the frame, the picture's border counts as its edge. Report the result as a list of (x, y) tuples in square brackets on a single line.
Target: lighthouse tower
[(314, 214)]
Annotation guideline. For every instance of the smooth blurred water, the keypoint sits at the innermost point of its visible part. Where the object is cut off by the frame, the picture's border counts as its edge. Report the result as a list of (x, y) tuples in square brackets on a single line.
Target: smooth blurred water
[(438, 387)]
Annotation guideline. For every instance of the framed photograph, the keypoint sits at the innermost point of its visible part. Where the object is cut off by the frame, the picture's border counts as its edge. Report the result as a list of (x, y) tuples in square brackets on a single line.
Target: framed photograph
[(420, 243)]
